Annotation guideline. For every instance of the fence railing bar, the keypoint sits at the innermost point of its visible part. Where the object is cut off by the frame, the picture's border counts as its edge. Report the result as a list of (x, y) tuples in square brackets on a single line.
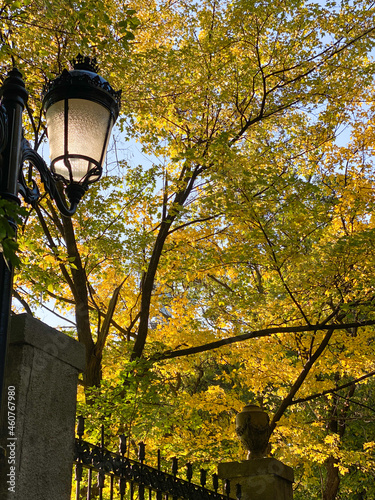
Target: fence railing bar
[(122, 487), (89, 484), (142, 478), (78, 477), (92, 456), (111, 490), (227, 487)]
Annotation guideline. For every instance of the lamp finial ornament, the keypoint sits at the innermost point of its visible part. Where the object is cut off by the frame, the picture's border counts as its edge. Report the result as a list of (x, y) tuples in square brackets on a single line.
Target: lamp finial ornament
[(85, 63)]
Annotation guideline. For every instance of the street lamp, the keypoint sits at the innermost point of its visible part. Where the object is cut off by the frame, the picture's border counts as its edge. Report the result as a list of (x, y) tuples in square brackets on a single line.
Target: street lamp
[(81, 109)]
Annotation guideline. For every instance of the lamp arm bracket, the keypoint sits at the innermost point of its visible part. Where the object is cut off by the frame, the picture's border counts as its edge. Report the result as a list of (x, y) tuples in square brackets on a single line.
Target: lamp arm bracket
[(32, 195)]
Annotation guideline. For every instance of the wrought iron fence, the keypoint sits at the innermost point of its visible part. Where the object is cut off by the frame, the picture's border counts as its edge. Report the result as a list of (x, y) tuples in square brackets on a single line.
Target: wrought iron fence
[(118, 477)]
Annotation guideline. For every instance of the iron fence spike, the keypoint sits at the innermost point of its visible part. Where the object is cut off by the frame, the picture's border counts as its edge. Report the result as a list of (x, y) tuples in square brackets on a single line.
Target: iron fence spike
[(141, 451), (203, 477), (174, 466), (189, 471), (215, 482), (122, 444), (80, 427)]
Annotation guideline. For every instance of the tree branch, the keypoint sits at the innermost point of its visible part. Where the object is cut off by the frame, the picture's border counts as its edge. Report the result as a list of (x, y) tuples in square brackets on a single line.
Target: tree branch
[(267, 332), (300, 379), (331, 391)]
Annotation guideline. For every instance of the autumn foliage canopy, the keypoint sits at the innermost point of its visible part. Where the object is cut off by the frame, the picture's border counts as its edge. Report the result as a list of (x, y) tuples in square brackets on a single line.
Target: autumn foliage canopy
[(231, 260)]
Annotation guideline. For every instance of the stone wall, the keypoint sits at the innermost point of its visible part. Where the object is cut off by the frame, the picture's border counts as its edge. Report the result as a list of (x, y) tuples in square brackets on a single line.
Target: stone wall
[(41, 381)]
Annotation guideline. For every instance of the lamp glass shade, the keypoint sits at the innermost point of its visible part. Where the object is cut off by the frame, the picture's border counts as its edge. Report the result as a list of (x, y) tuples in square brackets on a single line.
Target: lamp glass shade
[(78, 134)]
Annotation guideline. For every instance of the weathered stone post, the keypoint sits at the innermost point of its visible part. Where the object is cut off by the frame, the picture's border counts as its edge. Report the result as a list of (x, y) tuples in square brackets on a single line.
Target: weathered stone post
[(37, 426), (260, 478)]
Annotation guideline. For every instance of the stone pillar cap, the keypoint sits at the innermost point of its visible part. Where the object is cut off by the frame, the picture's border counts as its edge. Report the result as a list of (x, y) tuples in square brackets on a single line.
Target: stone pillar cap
[(25, 329), (255, 467)]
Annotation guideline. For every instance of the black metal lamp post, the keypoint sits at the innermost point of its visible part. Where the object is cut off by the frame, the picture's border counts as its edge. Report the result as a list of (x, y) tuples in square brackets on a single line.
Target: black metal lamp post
[(81, 108)]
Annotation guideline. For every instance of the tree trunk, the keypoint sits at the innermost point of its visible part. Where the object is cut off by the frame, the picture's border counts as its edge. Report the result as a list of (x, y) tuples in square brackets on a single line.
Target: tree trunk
[(93, 373), (333, 479), (337, 425)]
